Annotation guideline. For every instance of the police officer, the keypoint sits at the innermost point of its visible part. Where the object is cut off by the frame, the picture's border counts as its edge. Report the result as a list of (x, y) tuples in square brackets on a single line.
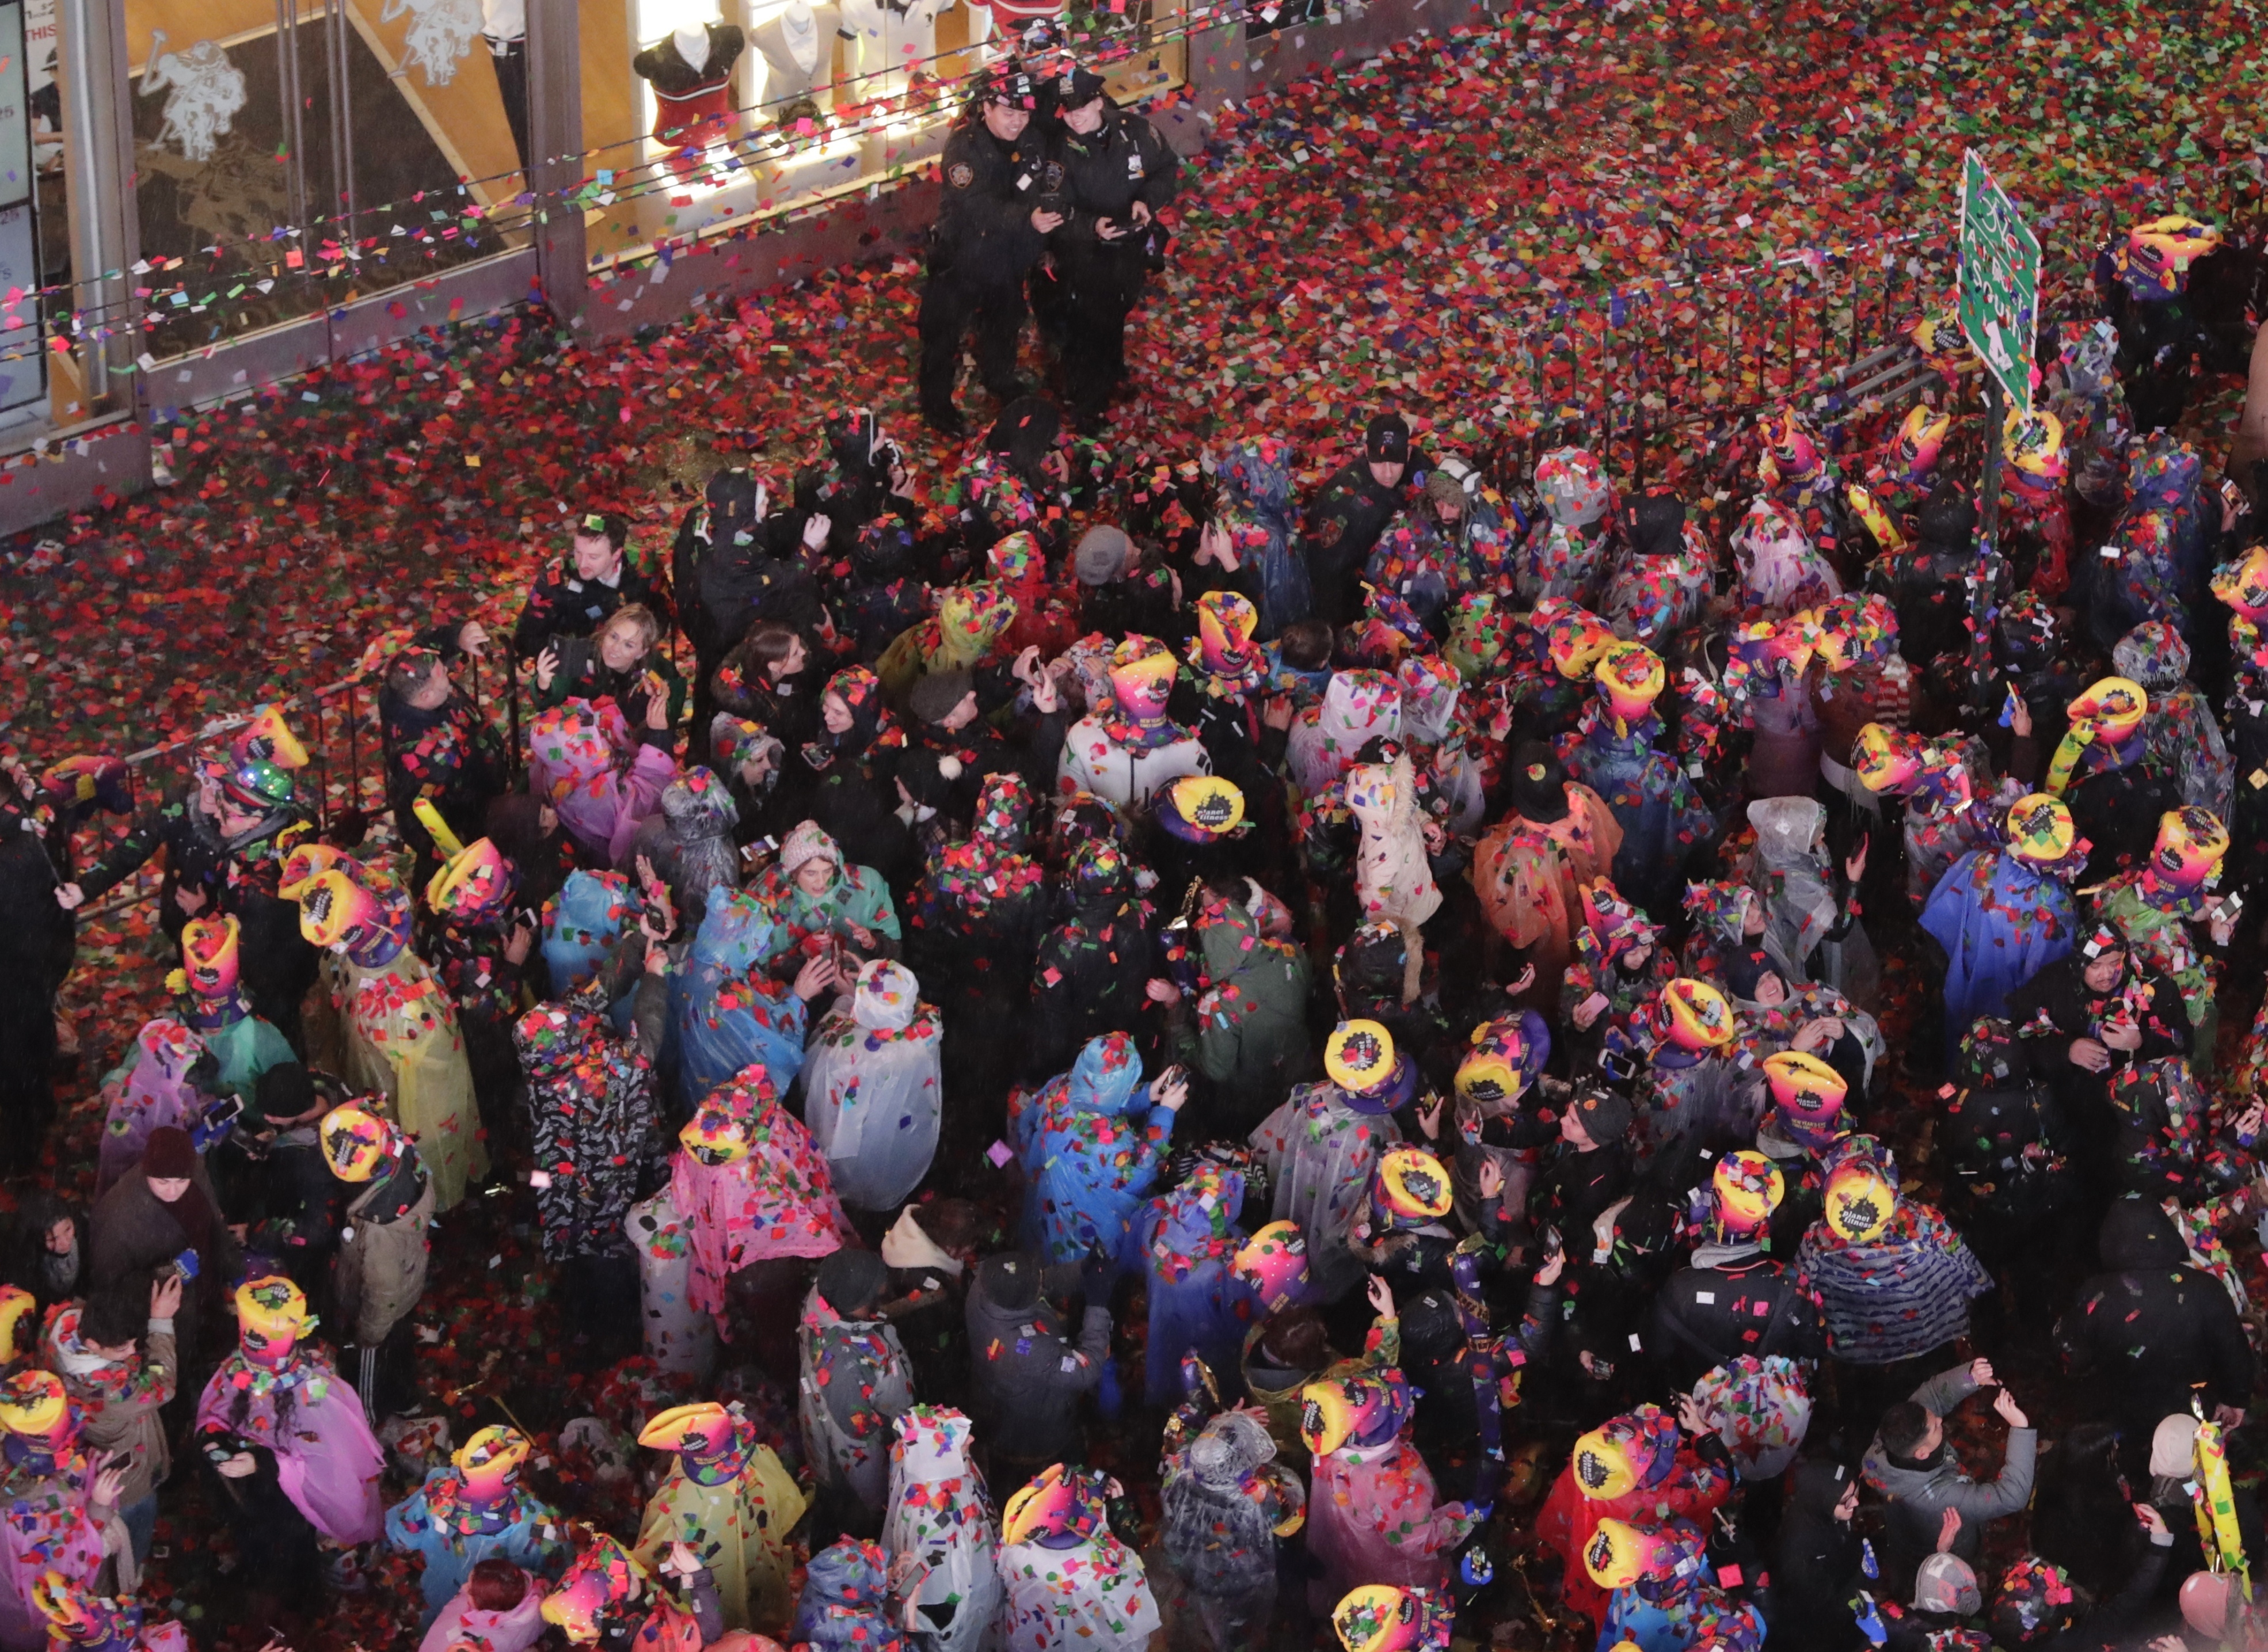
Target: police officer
[(1350, 512), (1117, 171), (988, 233)]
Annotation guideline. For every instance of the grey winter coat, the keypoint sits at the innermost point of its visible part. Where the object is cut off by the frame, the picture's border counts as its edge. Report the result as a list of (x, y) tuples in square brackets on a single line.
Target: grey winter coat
[(1918, 1497)]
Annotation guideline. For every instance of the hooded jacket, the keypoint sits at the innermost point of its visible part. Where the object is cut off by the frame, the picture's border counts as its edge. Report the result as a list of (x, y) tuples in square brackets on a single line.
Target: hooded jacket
[(1246, 1031), (1089, 977), (2150, 1330), (1026, 1372), (1816, 1568)]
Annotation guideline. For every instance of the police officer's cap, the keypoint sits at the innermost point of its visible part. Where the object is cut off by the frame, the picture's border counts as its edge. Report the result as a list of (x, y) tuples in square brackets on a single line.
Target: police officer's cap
[(1387, 440), (1078, 88), (1008, 84)]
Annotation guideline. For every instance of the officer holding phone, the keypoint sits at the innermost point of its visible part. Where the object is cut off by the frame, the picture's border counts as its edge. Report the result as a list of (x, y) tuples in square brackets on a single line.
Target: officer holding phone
[(1117, 171)]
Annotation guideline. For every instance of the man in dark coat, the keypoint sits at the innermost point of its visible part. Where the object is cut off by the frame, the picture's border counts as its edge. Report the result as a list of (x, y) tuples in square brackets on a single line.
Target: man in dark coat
[(1353, 510), (224, 838), (718, 545), (2086, 1018), (1927, 583), (1730, 1299), (989, 233), (35, 953), (1118, 595), (2150, 1333), (291, 1202), (1025, 1371), (1093, 970), (577, 592), (439, 747)]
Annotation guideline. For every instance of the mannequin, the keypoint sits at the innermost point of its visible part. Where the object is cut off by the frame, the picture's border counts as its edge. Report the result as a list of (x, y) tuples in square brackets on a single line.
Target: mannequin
[(798, 47), (691, 74), (504, 25), (894, 43)]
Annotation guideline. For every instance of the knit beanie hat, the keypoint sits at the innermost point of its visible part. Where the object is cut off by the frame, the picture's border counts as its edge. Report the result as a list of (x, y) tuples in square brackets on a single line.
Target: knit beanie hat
[(1100, 555)]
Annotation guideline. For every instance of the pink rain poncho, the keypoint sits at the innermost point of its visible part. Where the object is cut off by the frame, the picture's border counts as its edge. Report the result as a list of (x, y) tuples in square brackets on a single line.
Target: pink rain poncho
[(777, 1200), (327, 1459), (149, 1092), (1373, 1515), (575, 754), (1779, 568), (47, 1529)]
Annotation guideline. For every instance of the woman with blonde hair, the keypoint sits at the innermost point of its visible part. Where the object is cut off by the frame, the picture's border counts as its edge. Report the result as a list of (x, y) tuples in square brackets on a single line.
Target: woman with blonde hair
[(625, 660)]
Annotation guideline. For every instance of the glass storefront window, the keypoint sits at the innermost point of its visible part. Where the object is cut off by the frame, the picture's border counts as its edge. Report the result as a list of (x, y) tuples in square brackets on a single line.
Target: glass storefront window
[(701, 114), (290, 156), (36, 385)]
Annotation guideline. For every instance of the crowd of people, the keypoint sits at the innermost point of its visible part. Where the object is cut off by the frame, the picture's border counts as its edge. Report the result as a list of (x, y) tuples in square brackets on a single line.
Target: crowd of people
[(1144, 1055)]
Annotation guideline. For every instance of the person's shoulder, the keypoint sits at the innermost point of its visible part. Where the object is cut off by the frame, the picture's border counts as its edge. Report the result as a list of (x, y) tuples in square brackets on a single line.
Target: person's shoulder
[(964, 145)]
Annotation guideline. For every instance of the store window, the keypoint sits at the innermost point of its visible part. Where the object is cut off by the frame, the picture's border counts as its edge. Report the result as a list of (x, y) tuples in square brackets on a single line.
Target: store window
[(700, 116), (292, 156), (34, 240)]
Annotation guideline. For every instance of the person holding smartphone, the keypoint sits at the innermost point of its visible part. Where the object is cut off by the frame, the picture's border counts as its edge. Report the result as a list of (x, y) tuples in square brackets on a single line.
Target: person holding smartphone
[(1118, 172), (1093, 1141)]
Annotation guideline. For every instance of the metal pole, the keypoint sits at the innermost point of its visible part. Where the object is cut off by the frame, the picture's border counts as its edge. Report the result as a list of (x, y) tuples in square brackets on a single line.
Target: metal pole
[(1989, 507), (1985, 582), (343, 120), (320, 752)]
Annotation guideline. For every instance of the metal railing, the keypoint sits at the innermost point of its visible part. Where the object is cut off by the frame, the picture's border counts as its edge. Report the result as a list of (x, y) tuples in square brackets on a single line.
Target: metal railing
[(339, 725)]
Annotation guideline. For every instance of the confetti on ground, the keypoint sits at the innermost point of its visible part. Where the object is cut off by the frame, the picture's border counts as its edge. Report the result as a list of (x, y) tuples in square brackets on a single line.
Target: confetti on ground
[(1487, 227), (1596, 212)]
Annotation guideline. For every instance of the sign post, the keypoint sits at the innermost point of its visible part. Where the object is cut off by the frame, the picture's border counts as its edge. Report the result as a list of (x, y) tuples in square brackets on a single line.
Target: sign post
[(2000, 317)]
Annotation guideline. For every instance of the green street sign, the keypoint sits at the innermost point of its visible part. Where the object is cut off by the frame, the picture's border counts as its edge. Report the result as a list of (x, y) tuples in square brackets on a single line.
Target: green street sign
[(2000, 282)]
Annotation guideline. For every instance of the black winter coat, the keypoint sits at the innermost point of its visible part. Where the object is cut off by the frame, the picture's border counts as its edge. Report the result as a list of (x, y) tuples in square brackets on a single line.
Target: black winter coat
[(2152, 1330), (1815, 1566), (1726, 1305), (36, 936), (1104, 174), (1089, 978), (1342, 527), (983, 231), (565, 604), (2116, 810)]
